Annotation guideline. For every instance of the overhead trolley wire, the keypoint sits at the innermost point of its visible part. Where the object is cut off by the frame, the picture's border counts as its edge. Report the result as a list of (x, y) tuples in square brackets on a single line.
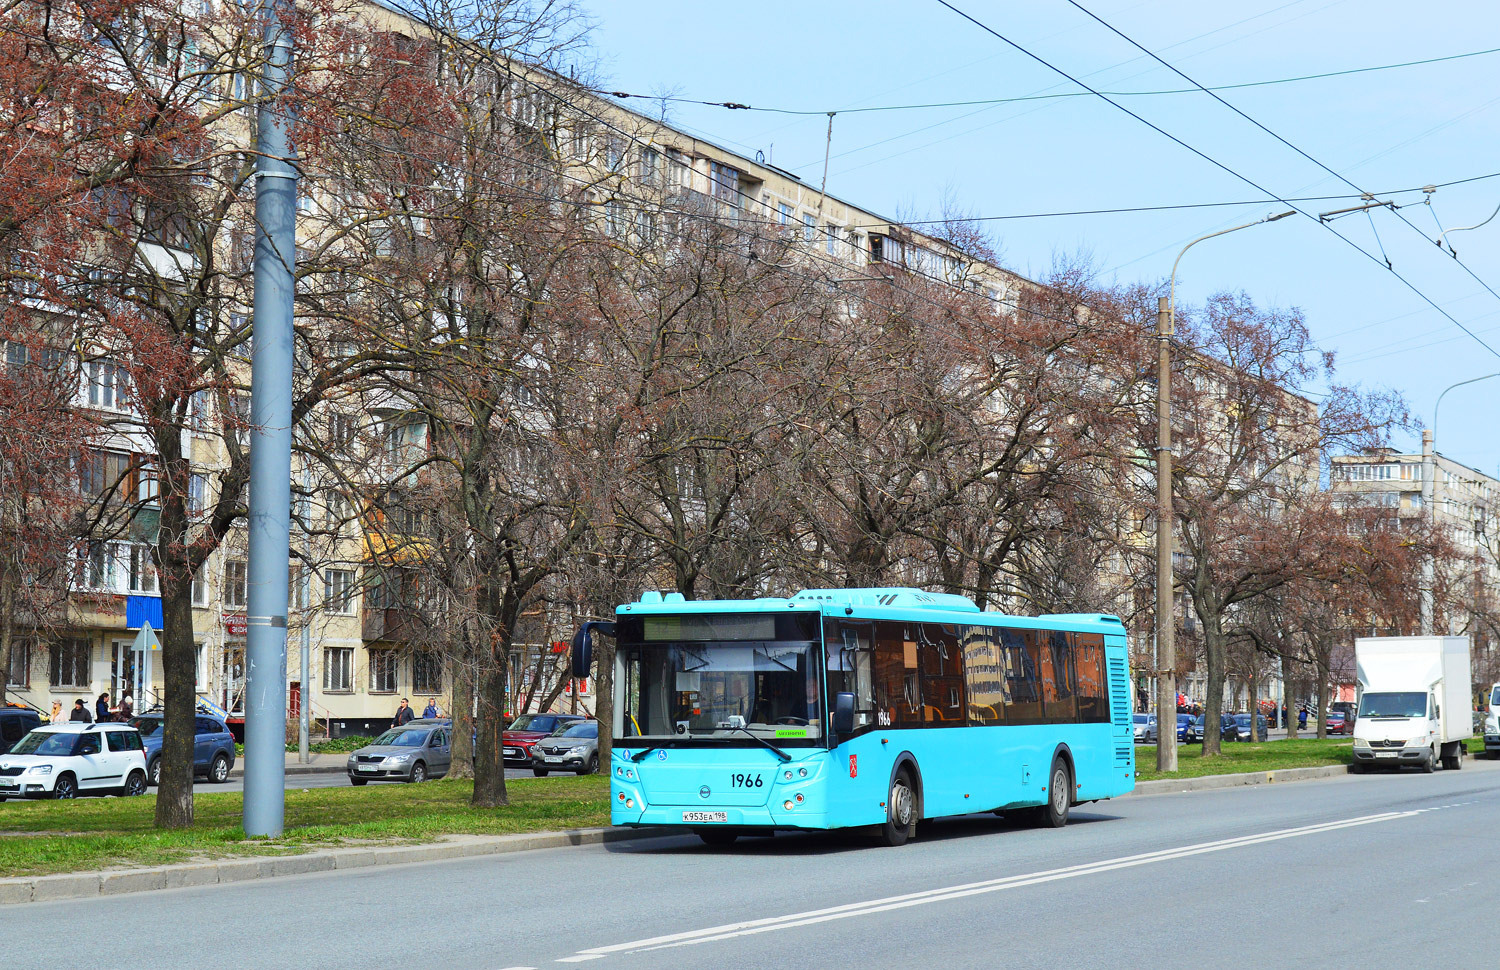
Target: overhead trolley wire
[(1213, 161)]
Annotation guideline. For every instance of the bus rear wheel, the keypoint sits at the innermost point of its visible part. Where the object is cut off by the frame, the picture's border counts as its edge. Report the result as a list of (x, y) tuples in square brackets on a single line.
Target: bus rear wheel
[(1054, 814), (900, 811)]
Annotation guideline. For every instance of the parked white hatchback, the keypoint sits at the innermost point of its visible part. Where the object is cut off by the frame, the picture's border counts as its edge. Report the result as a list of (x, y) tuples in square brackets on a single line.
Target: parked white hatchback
[(71, 759)]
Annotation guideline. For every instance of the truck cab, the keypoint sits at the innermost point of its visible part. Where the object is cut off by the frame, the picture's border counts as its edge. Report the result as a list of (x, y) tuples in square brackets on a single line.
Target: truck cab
[(1414, 702), (1396, 728)]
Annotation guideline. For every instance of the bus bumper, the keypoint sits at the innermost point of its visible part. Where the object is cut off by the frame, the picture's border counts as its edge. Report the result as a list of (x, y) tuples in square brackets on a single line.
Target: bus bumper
[(758, 817)]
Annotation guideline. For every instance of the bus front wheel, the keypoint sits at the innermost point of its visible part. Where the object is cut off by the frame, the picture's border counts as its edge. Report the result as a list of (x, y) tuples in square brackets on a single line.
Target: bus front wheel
[(900, 810)]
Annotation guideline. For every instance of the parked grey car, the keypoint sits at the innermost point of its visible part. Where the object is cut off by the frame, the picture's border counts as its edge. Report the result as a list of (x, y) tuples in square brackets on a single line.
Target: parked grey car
[(1145, 728), (573, 748), (416, 751)]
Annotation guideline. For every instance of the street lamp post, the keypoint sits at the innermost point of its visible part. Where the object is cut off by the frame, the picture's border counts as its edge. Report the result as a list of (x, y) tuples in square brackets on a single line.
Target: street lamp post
[(1429, 496), (1166, 647)]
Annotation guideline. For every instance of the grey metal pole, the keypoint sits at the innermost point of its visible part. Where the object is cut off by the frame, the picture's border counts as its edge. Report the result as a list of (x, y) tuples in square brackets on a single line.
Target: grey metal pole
[(304, 722), (1429, 476), (1429, 497), (1166, 644), (269, 517)]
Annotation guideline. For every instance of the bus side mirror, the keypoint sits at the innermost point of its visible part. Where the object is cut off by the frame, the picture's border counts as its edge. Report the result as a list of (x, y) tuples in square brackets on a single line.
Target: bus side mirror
[(583, 645), (843, 713)]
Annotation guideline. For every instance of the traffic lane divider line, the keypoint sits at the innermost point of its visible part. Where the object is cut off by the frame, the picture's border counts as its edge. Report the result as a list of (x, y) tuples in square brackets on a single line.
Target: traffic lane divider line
[(868, 907)]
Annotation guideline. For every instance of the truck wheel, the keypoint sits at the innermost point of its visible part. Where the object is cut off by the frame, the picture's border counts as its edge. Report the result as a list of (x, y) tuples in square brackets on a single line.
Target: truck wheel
[(1430, 764), (1453, 762), (1357, 768), (900, 811)]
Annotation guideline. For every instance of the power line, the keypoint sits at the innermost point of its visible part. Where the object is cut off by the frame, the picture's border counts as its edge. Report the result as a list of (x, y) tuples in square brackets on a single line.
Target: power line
[(740, 106), (1213, 161)]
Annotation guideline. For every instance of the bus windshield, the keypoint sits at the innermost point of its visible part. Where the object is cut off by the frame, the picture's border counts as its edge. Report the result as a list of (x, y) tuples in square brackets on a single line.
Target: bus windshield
[(718, 678)]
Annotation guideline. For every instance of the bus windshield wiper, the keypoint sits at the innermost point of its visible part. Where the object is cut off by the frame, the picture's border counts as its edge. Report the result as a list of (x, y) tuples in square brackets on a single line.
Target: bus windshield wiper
[(779, 753), (640, 755)]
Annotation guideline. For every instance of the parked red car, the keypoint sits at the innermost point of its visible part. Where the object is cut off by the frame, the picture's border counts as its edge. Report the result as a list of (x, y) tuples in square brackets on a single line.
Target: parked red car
[(1338, 724), (526, 730)]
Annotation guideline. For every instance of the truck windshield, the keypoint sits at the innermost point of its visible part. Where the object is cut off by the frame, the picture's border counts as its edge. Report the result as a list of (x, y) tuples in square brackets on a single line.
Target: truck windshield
[(1393, 704), (1495, 697), (713, 678)]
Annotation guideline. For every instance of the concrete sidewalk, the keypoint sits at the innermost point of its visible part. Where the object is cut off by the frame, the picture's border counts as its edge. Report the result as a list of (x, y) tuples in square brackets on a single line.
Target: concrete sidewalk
[(321, 764)]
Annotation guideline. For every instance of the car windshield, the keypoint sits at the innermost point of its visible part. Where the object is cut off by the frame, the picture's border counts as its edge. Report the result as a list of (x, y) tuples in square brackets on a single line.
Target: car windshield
[(587, 729), (149, 727), (47, 743), (1406, 703), (402, 739), (541, 723), (722, 677)]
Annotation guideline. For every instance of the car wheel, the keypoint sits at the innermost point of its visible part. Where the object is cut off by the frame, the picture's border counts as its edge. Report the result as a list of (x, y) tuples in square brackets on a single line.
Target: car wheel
[(718, 838), (153, 771), (357, 781), (1054, 814), (591, 767), (900, 810), (135, 784), (418, 773), (66, 787), (218, 772), (539, 772)]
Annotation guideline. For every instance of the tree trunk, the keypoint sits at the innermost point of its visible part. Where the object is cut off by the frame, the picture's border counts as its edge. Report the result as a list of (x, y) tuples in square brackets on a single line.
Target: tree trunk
[(604, 698), (462, 711), (1213, 704), (1253, 706), (489, 762), (174, 794), (7, 628)]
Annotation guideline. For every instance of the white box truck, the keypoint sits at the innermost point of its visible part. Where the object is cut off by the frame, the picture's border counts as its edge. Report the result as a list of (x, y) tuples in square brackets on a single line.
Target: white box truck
[(1492, 724), (1413, 703)]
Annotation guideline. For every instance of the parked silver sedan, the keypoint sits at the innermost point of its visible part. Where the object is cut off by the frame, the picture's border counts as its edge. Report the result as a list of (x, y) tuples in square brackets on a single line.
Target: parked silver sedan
[(573, 748), (416, 751)]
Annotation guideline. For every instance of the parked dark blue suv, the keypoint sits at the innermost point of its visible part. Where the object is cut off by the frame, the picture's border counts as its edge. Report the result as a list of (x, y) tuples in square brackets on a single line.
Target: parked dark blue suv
[(213, 746)]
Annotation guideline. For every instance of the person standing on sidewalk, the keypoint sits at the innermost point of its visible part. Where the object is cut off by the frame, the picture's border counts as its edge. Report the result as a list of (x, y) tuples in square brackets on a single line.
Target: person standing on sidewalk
[(431, 709), (80, 712), (403, 714), (101, 708)]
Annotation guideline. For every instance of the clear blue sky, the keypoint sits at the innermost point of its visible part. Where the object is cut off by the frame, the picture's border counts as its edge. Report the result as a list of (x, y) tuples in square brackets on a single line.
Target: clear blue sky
[(1383, 130)]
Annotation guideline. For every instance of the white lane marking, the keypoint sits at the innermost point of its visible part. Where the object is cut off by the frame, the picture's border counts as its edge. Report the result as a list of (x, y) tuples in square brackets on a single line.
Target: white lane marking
[(518, 968), (868, 907), (580, 957)]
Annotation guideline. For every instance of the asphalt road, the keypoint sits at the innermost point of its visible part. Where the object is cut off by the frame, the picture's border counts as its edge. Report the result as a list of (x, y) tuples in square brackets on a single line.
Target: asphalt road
[(1376, 871)]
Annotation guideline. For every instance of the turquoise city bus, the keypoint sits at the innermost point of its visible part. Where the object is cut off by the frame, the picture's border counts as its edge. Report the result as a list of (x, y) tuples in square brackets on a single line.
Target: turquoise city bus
[(872, 708)]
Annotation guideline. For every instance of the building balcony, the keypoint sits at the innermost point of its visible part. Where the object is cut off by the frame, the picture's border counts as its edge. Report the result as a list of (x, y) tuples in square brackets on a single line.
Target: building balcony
[(391, 624)]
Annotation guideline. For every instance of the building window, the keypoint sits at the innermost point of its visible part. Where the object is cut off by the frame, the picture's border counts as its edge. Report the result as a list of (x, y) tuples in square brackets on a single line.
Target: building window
[(198, 412), (426, 673), (650, 163), (297, 588), (783, 214), (382, 671), (338, 591), (724, 183), (70, 663), (108, 384), (832, 242), (200, 587), (338, 669), (809, 229), (234, 584), (199, 681), (197, 494), (19, 674), (142, 570)]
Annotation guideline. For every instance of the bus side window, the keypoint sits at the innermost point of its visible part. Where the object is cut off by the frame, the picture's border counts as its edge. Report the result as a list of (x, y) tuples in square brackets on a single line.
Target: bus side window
[(985, 672), (898, 698), (849, 667), (1023, 674), (1093, 692)]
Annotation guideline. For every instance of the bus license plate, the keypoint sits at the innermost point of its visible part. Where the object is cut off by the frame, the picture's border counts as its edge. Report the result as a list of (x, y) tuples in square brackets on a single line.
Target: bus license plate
[(705, 816)]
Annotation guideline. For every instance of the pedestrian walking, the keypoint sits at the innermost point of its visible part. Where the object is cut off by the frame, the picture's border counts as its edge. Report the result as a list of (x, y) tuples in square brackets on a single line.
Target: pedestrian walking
[(431, 710), (80, 712), (101, 708), (57, 712), (403, 714)]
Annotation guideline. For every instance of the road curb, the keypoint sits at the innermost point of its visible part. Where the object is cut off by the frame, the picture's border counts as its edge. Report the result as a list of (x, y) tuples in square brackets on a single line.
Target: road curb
[(238, 771), (1211, 782), (76, 885)]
